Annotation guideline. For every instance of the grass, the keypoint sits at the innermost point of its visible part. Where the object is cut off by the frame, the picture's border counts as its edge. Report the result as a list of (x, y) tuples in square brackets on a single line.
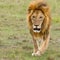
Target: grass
[(15, 40)]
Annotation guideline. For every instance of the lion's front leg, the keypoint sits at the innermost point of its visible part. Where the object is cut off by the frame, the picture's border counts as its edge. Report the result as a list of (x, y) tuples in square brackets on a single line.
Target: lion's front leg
[(35, 52), (44, 44)]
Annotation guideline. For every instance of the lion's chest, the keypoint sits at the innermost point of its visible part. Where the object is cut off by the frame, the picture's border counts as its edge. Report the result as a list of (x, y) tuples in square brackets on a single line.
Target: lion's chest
[(37, 36)]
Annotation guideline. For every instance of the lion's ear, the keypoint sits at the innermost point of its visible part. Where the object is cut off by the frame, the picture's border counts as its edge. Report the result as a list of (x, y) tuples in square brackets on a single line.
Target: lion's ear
[(45, 8), (29, 10), (31, 7)]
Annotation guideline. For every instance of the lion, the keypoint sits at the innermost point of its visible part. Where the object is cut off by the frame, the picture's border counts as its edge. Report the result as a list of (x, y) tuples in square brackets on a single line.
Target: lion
[(39, 21)]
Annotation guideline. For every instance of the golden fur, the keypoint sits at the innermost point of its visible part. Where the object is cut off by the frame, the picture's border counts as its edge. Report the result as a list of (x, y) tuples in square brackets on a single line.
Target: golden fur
[(44, 33)]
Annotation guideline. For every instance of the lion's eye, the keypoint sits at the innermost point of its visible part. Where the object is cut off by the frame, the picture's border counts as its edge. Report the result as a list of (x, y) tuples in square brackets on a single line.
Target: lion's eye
[(33, 17), (40, 17)]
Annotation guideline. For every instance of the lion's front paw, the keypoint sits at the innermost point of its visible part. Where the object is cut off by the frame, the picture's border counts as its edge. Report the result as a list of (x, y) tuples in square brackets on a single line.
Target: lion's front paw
[(36, 53), (33, 54)]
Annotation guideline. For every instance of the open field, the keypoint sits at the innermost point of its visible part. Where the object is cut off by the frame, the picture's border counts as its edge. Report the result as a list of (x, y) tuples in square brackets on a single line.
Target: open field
[(15, 40)]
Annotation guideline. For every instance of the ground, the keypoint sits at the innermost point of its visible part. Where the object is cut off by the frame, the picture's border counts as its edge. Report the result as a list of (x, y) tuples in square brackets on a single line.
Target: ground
[(15, 40)]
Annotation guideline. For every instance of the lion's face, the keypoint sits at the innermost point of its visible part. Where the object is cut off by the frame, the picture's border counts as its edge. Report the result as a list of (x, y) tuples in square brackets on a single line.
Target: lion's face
[(37, 19)]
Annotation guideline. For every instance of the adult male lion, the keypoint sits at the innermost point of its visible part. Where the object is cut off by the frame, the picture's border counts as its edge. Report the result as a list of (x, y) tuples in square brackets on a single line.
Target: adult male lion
[(39, 25)]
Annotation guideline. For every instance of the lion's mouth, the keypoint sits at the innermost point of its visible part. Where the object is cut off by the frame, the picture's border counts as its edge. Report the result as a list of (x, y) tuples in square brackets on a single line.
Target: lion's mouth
[(37, 29)]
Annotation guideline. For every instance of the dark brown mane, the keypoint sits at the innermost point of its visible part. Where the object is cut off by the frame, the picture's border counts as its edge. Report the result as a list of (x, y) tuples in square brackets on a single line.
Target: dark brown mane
[(45, 9)]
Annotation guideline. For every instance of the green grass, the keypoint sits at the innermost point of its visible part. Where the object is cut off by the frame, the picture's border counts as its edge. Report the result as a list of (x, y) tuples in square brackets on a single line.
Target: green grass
[(15, 39)]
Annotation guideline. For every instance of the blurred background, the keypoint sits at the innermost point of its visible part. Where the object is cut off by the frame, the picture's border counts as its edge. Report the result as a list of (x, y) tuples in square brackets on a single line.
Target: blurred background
[(15, 39)]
